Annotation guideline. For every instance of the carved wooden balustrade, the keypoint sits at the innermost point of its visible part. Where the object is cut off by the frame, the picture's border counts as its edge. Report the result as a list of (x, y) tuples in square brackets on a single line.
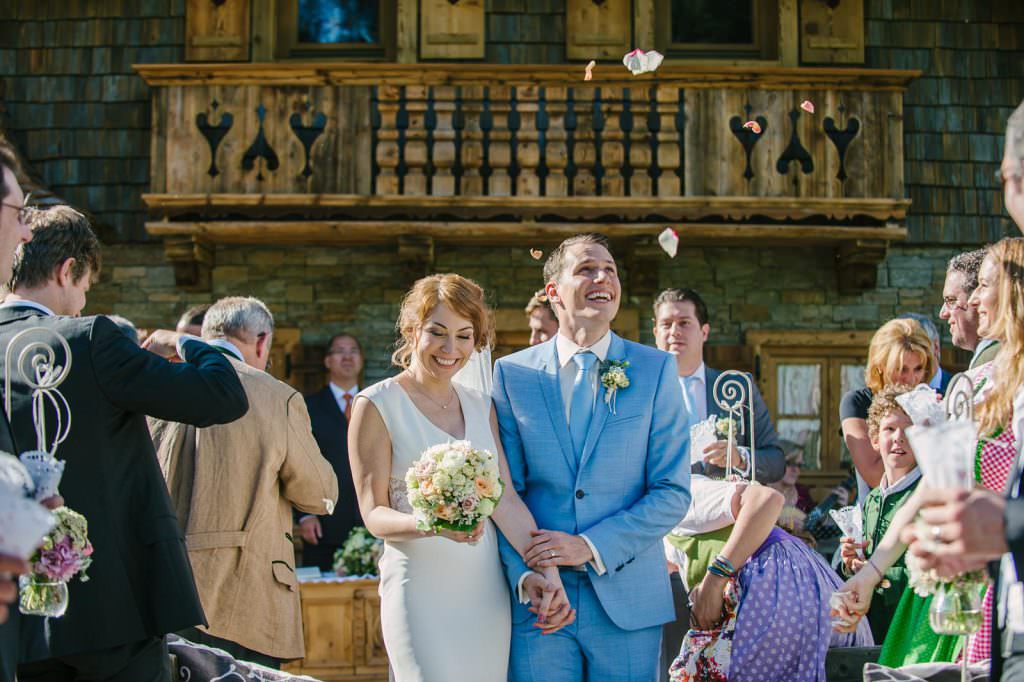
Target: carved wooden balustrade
[(328, 153)]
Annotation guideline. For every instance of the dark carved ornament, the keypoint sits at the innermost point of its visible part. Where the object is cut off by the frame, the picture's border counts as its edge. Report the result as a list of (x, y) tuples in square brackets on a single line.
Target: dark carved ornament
[(841, 138), (260, 149), (795, 150), (213, 134), (747, 137), (307, 135)]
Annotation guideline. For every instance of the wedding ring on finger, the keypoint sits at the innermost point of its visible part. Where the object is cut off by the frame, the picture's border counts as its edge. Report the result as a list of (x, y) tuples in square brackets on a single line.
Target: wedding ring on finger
[(936, 534)]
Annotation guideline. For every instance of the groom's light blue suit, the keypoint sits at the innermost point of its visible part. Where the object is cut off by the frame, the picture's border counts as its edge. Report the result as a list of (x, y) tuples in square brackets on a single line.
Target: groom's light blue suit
[(626, 489)]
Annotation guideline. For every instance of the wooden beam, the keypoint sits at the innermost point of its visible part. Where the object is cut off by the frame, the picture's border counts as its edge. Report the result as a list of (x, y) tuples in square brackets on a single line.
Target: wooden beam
[(671, 208), (377, 73), (857, 264), (528, 233), (192, 258)]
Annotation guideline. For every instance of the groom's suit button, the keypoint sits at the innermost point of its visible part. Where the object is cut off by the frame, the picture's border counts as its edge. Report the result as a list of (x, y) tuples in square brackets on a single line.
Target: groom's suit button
[(580, 494)]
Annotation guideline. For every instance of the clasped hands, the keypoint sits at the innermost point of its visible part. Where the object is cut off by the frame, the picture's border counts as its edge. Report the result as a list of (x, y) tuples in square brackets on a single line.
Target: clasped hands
[(11, 566)]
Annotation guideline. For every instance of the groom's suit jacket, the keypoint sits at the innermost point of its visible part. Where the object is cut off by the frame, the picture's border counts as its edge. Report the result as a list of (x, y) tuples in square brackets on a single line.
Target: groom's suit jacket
[(770, 461), (630, 486), (140, 582)]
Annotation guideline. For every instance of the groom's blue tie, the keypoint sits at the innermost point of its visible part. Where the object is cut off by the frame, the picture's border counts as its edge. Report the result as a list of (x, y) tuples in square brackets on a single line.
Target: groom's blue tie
[(581, 408)]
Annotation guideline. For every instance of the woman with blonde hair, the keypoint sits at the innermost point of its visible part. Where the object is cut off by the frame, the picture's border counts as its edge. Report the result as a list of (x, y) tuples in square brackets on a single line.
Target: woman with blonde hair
[(445, 609), (900, 353)]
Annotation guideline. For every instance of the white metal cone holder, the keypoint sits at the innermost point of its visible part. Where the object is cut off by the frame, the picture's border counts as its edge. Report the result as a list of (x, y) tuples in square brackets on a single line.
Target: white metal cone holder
[(31, 359), (733, 393)]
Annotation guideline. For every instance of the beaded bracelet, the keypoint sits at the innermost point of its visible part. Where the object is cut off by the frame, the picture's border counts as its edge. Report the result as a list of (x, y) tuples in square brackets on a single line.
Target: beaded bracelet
[(722, 567)]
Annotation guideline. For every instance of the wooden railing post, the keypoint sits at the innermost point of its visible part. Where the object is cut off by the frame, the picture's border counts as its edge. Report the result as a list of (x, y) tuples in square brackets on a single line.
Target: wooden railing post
[(416, 141), (668, 142), (472, 153), (612, 149), (499, 148), (388, 153), (584, 154), (639, 143), (443, 182), (556, 151), (527, 147)]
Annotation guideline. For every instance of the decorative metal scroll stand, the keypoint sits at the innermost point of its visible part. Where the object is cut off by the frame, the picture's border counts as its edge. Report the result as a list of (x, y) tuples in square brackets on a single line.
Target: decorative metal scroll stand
[(959, 406), (733, 392), (36, 367)]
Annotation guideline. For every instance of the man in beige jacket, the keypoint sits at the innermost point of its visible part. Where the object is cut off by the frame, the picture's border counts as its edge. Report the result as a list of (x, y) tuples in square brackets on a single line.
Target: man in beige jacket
[(233, 488)]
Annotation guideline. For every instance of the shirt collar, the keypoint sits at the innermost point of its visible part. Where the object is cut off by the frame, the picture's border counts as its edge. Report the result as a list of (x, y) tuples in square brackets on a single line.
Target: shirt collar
[(567, 348), (700, 374), (25, 303), (900, 485), (936, 381), (340, 393), (228, 346)]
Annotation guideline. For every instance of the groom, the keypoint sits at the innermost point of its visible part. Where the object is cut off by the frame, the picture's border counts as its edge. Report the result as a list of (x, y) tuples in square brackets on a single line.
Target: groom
[(606, 471)]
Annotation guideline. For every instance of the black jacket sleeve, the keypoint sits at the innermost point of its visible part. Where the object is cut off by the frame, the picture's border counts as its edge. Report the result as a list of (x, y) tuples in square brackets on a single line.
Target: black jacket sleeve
[(202, 391)]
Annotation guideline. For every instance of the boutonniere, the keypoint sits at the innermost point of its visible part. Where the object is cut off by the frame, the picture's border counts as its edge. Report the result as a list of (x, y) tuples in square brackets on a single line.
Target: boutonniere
[(724, 425), (613, 377)]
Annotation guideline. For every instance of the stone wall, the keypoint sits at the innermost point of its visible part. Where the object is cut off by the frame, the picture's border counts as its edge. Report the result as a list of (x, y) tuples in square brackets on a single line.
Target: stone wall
[(323, 290)]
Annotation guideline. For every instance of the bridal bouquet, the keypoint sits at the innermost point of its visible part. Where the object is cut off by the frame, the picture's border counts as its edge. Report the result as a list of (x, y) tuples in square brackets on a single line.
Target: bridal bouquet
[(453, 486), (65, 553), (360, 553)]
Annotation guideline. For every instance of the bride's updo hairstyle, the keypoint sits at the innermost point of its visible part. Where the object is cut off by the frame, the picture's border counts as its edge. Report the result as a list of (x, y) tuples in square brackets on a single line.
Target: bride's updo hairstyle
[(463, 296)]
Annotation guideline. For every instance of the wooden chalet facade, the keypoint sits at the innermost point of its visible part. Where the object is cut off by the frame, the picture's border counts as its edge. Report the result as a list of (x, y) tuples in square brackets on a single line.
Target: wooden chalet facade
[(225, 148)]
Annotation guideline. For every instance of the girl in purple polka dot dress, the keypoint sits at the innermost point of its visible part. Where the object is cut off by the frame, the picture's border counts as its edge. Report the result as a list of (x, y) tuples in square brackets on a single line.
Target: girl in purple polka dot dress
[(759, 598)]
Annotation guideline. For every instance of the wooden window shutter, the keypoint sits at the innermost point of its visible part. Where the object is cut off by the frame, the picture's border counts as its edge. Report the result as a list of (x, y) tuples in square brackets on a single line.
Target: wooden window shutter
[(597, 30), (832, 35), (217, 31), (452, 30)]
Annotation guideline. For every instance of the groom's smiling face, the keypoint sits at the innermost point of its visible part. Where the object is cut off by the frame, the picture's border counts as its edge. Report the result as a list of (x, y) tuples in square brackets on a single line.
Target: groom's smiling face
[(588, 287)]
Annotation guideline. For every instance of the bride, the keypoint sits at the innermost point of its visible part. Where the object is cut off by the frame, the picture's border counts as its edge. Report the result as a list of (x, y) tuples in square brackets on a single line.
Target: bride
[(445, 608)]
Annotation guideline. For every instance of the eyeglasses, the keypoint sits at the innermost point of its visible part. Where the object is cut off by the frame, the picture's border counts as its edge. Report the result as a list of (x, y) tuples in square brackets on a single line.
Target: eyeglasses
[(349, 353), (953, 303), (1002, 178), (24, 211)]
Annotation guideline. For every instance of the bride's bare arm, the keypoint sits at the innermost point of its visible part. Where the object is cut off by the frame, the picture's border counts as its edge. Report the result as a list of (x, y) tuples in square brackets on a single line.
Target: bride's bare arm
[(369, 453)]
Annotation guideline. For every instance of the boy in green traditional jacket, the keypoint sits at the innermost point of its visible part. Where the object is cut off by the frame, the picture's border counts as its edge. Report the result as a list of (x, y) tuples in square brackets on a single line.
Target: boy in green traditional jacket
[(886, 425)]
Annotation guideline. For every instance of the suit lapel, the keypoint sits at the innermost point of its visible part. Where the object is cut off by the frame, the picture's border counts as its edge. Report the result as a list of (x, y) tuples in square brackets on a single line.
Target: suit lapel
[(616, 351), (551, 389), (710, 375)]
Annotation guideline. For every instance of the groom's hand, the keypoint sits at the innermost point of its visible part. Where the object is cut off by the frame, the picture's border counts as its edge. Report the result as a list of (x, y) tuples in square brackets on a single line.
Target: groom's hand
[(555, 548)]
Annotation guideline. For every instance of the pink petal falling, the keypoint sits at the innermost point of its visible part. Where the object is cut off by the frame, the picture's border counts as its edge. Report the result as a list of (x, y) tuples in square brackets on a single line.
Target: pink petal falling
[(590, 70), (669, 241), (536, 253), (753, 125), (808, 106)]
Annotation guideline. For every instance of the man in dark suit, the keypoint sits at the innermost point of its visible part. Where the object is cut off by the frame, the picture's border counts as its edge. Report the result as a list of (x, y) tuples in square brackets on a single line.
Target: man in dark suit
[(681, 328), (328, 413), (14, 230), (140, 583)]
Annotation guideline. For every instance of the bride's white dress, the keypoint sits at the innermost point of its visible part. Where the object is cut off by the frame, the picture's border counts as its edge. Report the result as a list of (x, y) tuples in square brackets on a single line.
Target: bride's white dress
[(444, 605)]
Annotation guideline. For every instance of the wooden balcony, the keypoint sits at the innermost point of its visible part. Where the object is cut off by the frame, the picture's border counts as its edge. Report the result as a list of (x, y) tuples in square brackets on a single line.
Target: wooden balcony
[(362, 153)]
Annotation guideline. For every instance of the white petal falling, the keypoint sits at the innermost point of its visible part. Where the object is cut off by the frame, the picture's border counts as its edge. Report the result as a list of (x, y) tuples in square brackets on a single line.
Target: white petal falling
[(669, 241)]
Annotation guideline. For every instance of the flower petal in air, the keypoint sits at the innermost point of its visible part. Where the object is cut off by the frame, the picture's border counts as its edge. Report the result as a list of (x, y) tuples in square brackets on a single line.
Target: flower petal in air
[(808, 106), (590, 70), (669, 241), (753, 125)]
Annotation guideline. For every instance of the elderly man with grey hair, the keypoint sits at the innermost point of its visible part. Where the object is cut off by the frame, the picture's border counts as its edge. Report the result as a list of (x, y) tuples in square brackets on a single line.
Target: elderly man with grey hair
[(234, 487), (941, 379)]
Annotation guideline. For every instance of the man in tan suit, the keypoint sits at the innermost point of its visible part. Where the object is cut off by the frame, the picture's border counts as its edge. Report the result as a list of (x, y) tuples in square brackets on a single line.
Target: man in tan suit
[(233, 488)]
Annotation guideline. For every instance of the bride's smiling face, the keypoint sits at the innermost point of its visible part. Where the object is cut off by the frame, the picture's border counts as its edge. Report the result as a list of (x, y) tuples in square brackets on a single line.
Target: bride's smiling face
[(444, 343)]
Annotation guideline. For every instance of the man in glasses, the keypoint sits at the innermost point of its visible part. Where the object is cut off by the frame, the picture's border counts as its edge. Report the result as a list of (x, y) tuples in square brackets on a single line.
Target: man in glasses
[(14, 230), (961, 281)]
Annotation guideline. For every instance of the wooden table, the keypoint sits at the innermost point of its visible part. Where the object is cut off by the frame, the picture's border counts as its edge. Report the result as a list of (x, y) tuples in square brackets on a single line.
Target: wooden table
[(341, 627)]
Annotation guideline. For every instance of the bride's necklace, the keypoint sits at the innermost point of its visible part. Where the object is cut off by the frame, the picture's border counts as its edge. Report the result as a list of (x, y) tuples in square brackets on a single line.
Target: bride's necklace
[(431, 398)]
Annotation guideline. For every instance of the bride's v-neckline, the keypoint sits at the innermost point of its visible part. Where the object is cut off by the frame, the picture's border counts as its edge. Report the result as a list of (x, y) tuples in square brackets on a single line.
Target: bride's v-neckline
[(465, 421)]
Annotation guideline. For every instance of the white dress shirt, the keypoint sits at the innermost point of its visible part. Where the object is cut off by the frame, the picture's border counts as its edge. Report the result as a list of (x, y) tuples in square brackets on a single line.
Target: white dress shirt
[(339, 395), (229, 347), (25, 303), (936, 381), (697, 399)]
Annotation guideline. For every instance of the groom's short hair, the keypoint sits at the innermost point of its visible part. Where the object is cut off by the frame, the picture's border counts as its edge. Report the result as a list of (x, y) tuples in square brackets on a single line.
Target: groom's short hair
[(555, 263)]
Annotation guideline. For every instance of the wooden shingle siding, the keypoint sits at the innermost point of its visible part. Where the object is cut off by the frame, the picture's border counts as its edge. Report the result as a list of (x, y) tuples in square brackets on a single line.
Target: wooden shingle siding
[(955, 115), (74, 106)]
